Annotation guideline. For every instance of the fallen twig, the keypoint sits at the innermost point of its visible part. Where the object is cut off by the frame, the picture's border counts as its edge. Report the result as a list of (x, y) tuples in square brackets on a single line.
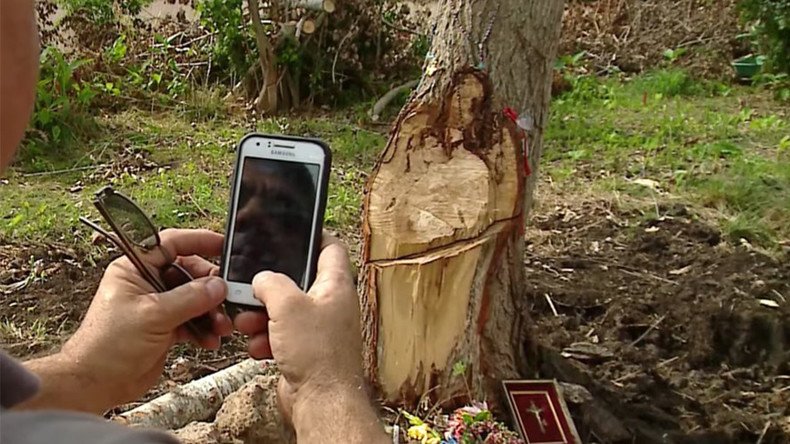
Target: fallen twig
[(765, 430), (551, 304), (64, 171), (199, 208), (645, 273), (668, 361), (649, 329)]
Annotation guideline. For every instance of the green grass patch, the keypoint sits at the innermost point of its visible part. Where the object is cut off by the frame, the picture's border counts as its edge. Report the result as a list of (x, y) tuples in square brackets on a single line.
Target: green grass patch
[(177, 167), (721, 147)]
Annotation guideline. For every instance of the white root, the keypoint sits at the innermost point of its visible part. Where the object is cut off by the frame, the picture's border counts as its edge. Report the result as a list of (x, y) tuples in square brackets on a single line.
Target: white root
[(197, 400)]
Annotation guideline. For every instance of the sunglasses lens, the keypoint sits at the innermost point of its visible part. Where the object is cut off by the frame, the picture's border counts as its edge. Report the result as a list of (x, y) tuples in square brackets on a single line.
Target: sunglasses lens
[(129, 219), (174, 276)]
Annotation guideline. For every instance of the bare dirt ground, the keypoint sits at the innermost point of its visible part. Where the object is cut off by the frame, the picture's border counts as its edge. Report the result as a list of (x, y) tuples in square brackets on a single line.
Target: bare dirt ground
[(659, 309), (667, 316)]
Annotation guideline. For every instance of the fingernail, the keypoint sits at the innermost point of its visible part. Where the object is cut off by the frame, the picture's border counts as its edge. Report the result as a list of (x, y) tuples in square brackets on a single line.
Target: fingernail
[(216, 288), (262, 276)]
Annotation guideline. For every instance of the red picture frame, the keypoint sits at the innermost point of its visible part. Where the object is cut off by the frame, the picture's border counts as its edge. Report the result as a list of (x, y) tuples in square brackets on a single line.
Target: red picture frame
[(540, 412)]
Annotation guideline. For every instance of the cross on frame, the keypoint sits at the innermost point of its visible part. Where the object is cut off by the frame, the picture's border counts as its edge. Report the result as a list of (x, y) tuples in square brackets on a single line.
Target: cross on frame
[(537, 412)]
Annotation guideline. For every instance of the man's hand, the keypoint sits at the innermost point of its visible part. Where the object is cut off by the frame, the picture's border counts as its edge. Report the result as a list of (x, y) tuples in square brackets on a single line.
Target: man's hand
[(315, 338), (119, 350)]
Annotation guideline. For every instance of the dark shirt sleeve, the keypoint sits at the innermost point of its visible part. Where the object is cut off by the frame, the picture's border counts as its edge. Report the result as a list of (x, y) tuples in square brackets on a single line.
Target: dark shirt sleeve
[(45, 427), (56, 427)]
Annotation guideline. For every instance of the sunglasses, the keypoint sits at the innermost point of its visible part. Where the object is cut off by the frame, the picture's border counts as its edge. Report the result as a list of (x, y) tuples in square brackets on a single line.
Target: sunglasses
[(137, 237)]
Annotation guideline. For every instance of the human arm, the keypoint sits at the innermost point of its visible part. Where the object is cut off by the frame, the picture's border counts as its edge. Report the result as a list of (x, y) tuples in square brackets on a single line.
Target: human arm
[(315, 337), (317, 415), (120, 348)]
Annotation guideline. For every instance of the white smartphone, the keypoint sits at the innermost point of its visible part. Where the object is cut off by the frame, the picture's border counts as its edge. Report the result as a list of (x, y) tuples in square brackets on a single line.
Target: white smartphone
[(276, 215)]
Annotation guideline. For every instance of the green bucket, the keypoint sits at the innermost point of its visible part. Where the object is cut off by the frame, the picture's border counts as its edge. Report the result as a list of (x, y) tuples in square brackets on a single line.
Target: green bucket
[(748, 66)]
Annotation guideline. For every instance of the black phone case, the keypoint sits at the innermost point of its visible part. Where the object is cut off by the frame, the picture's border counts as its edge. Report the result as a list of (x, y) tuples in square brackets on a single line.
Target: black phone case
[(233, 308)]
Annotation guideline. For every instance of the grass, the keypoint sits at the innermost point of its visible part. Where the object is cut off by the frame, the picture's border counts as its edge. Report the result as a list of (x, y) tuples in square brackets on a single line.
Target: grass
[(184, 179), (724, 148), (37, 331), (716, 146)]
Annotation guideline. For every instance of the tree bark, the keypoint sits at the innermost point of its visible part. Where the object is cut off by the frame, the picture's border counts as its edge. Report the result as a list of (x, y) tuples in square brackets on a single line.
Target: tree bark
[(197, 400), (443, 277)]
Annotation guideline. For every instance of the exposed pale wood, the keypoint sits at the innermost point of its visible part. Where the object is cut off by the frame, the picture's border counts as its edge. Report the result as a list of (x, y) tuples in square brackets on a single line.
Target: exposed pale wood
[(442, 278), (197, 400), (308, 26), (314, 5)]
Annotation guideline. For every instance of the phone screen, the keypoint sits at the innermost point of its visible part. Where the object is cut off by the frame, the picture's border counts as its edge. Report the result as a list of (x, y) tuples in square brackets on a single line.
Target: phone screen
[(274, 219)]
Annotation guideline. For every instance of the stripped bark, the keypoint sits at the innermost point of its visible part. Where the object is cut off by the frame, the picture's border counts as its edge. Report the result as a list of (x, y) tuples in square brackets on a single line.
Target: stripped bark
[(197, 400), (443, 278)]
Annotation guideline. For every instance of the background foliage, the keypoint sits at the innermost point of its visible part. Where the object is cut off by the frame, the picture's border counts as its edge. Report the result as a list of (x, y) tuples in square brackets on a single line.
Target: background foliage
[(771, 21)]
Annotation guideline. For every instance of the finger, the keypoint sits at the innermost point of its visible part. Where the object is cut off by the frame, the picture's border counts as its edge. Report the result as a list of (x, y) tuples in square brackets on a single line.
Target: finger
[(252, 322), (221, 323), (183, 335), (197, 267), (190, 300), (208, 342), (333, 264), (333, 256), (278, 293), (259, 347), (181, 242)]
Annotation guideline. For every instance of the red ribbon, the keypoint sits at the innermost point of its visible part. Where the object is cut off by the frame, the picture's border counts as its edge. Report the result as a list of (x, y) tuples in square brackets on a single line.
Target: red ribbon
[(511, 114)]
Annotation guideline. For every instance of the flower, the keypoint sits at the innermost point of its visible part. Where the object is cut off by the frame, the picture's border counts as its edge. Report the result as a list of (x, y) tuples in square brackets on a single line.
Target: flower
[(475, 424), (424, 433)]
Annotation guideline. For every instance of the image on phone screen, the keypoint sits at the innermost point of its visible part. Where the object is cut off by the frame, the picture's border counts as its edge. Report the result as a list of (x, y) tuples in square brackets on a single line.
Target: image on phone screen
[(274, 219)]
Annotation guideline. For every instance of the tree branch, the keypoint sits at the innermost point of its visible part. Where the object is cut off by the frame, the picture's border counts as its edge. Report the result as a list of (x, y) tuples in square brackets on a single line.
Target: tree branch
[(385, 100), (195, 401)]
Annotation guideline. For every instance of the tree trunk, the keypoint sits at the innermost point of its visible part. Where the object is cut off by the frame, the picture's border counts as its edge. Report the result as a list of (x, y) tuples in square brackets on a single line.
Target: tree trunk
[(443, 291), (266, 102)]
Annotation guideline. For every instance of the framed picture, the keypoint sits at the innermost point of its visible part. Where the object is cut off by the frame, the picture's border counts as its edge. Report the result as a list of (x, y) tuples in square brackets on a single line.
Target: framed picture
[(540, 412)]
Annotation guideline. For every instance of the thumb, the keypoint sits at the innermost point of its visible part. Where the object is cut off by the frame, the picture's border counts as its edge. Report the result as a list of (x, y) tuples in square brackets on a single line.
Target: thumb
[(278, 293), (191, 300)]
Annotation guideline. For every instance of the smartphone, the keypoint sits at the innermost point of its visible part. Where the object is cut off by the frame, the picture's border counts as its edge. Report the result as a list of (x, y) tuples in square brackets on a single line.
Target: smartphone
[(278, 199)]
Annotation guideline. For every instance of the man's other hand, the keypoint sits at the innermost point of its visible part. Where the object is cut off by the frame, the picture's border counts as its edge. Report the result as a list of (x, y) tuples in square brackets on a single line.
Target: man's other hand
[(122, 344)]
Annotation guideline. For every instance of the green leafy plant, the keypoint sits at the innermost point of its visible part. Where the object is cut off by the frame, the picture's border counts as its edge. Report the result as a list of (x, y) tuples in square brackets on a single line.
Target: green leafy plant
[(672, 55), (62, 103), (117, 51), (233, 47), (771, 21)]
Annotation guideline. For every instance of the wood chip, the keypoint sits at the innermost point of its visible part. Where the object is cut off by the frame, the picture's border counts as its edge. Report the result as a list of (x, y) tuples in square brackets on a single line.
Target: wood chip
[(680, 271), (651, 229), (768, 303), (585, 351)]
